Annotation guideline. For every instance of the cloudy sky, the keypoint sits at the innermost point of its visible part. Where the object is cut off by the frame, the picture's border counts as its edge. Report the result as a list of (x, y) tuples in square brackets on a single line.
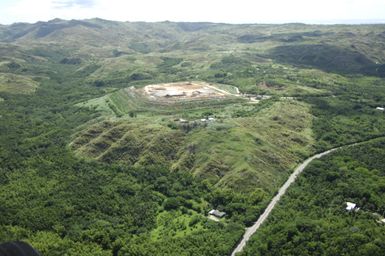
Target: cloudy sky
[(230, 11)]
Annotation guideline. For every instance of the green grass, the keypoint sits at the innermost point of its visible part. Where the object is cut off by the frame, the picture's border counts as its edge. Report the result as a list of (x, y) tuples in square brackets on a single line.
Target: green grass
[(226, 87), (109, 192), (248, 145), (255, 151), (175, 224), (13, 83), (311, 218)]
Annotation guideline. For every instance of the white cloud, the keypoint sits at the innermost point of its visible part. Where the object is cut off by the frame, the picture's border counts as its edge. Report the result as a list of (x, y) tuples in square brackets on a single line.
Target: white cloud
[(72, 3), (232, 11)]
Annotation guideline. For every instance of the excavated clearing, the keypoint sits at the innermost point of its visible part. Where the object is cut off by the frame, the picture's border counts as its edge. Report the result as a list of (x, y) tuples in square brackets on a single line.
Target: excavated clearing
[(183, 91)]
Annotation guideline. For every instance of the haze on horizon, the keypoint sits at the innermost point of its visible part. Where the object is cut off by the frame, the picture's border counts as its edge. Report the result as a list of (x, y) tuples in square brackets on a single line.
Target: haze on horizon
[(227, 11)]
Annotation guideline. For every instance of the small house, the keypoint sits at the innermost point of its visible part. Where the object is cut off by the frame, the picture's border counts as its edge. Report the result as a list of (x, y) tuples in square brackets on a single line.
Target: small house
[(380, 108), (217, 213), (351, 207)]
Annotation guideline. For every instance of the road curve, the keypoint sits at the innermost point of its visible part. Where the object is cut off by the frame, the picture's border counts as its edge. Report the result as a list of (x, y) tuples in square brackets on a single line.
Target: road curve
[(251, 230)]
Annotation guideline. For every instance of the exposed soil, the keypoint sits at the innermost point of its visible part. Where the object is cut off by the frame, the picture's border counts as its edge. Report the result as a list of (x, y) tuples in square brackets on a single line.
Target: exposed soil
[(183, 91)]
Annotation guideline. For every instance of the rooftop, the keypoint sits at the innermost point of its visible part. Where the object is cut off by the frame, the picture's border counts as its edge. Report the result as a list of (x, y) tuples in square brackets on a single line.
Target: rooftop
[(217, 213), (350, 206)]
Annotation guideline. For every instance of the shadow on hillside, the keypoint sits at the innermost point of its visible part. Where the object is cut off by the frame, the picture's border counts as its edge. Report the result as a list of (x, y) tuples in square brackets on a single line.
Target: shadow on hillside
[(328, 58)]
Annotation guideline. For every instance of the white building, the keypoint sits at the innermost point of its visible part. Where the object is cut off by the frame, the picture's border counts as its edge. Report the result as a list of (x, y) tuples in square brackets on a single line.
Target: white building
[(380, 108), (217, 213), (351, 207)]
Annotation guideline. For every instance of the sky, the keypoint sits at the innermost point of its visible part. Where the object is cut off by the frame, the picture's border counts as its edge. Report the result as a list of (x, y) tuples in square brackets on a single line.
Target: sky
[(228, 11)]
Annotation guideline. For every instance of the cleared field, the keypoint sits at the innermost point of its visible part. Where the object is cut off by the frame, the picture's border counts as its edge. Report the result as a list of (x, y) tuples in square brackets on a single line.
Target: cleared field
[(17, 84), (246, 146), (185, 91), (165, 99)]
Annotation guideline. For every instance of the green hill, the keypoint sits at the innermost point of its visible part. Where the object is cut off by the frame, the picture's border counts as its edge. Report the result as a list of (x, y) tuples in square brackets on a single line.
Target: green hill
[(93, 164)]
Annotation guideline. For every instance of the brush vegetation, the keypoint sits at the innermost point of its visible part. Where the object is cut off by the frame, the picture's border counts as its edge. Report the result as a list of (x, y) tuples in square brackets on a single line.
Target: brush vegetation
[(89, 166), (312, 219)]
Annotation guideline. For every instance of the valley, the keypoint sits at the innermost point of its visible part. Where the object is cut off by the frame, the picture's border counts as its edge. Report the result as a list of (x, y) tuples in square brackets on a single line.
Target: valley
[(118, 138)]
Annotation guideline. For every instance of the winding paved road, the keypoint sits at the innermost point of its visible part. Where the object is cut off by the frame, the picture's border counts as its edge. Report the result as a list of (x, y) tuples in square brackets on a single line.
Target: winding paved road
[(251, 230)]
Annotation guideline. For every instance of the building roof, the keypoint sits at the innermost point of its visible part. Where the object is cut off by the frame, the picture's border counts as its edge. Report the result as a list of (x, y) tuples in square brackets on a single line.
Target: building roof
[(350, 206), (380, 108), (217, 213)]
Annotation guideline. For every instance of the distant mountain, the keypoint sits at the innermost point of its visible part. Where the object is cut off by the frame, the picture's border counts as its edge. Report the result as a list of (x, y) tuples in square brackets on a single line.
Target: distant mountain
[(94, 161), (356, 48)]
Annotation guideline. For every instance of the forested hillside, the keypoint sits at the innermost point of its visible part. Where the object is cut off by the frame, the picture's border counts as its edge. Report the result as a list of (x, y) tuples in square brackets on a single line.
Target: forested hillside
[(89, 165), (312, 219)]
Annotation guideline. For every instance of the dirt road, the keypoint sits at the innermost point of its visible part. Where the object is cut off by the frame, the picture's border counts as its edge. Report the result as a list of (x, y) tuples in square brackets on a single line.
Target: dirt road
[(251, 230), (223, 91)]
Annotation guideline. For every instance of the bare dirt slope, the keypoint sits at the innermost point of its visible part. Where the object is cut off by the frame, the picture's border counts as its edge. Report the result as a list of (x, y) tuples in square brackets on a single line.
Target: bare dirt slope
[(183, 91)]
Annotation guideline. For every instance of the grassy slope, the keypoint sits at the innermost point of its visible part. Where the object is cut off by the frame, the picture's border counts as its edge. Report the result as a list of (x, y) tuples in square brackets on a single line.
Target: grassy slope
[(249, 152), (245, 145), (251, 145), (12, 83)]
